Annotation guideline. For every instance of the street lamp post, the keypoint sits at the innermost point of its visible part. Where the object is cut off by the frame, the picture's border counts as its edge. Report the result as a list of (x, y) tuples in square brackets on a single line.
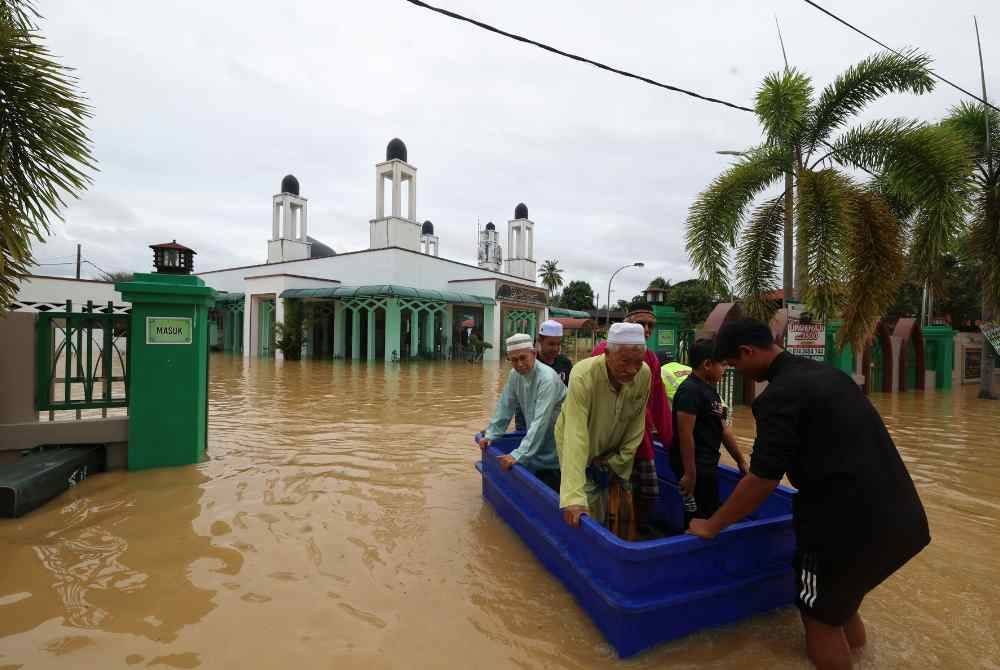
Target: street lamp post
[(630, 265)]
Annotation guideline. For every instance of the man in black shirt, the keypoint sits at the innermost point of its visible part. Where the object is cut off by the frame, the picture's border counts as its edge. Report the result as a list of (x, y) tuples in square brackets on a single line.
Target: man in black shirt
[(857, 515), (549, 347), (699, 430)]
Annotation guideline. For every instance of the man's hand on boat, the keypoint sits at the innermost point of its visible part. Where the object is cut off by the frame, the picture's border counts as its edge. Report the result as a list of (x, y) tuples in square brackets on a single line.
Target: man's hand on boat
[(572, 514), (483, 442), (506, 461), (687, 484), (703, 528)]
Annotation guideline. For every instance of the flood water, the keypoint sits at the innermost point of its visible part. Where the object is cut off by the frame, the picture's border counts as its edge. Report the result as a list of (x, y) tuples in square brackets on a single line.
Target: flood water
[(338, 523)]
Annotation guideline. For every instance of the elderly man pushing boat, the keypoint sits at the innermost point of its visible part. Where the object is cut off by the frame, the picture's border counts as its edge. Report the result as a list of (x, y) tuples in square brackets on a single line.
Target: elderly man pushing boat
[(600, 429), (539, 392)]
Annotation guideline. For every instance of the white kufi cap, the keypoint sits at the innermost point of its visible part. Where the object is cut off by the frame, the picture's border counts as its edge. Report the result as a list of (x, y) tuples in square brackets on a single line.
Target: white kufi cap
[(626, 333), (551, 329), (519, 341)]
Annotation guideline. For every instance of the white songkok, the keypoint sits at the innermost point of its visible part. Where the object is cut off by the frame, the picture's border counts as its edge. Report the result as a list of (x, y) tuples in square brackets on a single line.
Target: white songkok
[(519, 341), (626, 333), (551, 329)]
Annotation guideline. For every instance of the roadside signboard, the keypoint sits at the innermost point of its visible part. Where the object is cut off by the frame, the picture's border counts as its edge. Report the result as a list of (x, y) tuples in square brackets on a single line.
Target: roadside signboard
[(805, 337)]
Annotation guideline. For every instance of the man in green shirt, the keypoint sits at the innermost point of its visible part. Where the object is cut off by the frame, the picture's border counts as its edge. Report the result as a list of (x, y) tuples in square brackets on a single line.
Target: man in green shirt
[(602, 423)]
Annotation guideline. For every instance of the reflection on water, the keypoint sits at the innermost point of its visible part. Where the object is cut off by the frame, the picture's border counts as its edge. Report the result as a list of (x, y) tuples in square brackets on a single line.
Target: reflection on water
[(338, 523)]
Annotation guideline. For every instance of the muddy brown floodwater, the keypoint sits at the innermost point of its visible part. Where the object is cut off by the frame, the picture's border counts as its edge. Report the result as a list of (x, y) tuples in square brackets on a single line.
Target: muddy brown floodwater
[(338, 523)]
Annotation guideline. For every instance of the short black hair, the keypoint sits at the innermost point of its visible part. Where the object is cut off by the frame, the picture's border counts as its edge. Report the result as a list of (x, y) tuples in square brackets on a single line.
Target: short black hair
[(742, 333), (701, 351)]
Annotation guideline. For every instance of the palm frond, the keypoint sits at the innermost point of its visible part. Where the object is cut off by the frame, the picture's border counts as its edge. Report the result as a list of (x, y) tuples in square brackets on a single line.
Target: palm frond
[(826, 209), (869, 147), (984, 241), (715, 217), (874, 262), (969, 121), (861, 84), (756, 260), (782, 106), (44, 150)]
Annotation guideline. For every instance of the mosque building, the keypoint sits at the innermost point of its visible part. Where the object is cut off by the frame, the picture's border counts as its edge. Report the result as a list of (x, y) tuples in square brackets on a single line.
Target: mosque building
[(397, 299)]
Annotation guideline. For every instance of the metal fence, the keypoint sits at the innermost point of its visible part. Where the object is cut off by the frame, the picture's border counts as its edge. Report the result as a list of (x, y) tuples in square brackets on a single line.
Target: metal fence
[(82, 360)]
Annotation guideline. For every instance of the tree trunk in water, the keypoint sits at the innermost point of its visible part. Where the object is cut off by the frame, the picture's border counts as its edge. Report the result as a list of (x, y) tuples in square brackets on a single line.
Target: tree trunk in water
[(986, 382)]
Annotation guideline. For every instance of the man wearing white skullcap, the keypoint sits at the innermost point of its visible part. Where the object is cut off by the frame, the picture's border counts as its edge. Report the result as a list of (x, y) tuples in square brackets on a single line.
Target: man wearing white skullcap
[(539, 393), (602, 424), (550, 336)]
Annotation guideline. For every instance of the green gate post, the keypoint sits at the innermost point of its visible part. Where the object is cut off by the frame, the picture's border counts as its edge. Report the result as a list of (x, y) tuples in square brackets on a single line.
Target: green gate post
[(843, 359), (939, 353), (666, 331), (168, 369)]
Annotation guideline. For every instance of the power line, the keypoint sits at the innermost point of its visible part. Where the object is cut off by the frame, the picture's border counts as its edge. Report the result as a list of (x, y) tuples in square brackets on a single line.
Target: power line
[(66, 263), (581, 59), (886, 46), (96, 266)]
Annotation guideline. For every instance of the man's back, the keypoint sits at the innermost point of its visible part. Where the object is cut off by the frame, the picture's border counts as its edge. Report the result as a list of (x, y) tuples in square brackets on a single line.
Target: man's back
[(814, 423)]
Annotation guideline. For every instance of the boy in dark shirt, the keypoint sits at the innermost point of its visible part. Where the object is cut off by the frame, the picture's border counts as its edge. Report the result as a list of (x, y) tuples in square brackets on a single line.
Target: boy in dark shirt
[(699, 430), (857, 515)]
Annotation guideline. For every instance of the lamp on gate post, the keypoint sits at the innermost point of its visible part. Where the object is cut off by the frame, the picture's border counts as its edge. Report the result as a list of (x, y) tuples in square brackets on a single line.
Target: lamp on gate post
[(630, 265), (172, 258)]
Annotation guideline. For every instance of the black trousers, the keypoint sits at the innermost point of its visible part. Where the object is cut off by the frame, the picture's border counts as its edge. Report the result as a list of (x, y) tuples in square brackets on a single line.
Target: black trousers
[(706, 489)]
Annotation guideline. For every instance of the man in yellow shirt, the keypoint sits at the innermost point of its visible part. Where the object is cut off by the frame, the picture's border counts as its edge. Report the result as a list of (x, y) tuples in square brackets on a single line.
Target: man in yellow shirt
[(602, 423), (673, 373)]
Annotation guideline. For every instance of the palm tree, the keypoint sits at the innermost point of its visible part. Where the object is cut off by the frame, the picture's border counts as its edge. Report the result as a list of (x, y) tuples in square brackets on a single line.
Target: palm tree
[(44, 150), (551, 276), (849, 239), (980, 128)]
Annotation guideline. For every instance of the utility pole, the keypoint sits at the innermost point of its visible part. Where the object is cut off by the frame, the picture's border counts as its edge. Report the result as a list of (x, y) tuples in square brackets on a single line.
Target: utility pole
[(77, 261)]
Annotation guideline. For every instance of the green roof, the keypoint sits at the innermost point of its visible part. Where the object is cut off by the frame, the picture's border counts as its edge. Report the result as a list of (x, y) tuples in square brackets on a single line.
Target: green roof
[(571, 313), (386, 290), (224, 296)]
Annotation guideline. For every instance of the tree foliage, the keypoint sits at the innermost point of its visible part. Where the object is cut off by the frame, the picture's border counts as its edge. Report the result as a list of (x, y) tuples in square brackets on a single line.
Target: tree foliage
[(551, 276), (694, 298), (44, 151), (850, 236), (578, 295)]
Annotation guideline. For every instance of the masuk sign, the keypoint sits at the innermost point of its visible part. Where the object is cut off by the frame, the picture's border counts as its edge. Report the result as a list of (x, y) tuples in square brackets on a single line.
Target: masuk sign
[(168, 330)]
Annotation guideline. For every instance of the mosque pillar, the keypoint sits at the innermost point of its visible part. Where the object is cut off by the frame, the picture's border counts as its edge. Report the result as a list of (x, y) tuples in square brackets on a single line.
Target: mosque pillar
[(339, 330), (371, 334), (429, 332), (414, 333), (355, 334), (251, 324), (279, 317), (412, 208), (491, 331), (393, 322), (397, 194), (447, 327)]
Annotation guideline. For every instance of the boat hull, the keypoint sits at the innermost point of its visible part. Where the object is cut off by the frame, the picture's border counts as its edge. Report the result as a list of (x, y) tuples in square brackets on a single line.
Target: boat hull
[(642, 593)]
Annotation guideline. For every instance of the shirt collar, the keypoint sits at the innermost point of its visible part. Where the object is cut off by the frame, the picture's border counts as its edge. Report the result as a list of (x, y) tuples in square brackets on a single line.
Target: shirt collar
[(780, 362)]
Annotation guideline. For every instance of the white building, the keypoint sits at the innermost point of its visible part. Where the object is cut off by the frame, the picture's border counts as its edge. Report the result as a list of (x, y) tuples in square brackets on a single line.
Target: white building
[(396, 299)]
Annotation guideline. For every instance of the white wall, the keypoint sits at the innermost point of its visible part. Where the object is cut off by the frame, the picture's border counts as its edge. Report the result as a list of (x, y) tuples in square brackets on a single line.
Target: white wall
[(61, 289), (378, 266)]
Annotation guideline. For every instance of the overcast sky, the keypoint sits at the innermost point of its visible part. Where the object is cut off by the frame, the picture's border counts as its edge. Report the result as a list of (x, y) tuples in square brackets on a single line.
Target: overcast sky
[(201, 107)]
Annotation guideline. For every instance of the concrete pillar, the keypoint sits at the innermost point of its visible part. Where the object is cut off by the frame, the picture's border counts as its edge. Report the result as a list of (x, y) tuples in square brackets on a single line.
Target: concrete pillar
[(279, 317), (339, 330), (414, 333), (371, 333), (412, 209), (491, 331), (355, 334), (251, 324), (397, 195), (303, 235), (429, 332), (379, 194), (393, 322), (287, 223), (276, 221), (447, 327)]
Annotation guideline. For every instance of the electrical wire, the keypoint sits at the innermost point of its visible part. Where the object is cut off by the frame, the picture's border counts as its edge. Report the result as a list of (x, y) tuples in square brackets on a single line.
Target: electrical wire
[(581, 59), (96, 266), (898, 53)]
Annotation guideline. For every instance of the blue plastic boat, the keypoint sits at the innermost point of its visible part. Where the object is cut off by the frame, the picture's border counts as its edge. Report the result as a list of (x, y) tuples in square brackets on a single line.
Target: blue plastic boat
[(642, 593)]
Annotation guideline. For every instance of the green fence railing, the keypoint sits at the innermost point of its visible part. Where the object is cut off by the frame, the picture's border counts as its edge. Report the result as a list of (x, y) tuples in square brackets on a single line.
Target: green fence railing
[(82, 359)]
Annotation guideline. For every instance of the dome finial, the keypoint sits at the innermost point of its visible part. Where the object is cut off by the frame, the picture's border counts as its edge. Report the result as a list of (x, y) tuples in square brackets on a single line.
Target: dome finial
[(427, 229), (289, 184), (521, 211), (395, 150)]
